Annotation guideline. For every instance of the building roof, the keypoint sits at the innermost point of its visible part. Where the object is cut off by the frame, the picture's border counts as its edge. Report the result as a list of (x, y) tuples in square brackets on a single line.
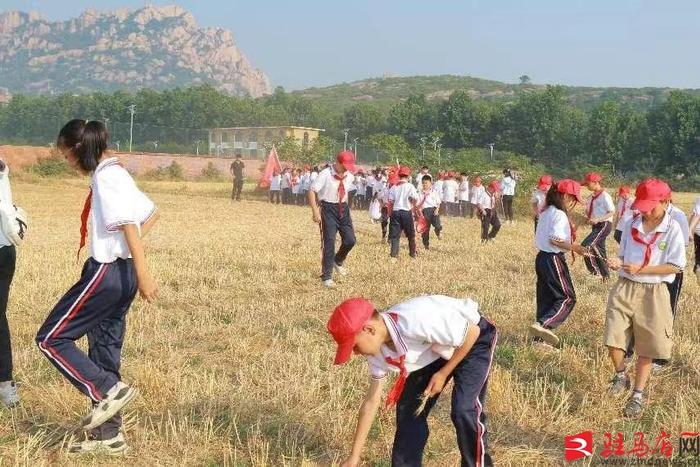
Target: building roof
[(268, 128)]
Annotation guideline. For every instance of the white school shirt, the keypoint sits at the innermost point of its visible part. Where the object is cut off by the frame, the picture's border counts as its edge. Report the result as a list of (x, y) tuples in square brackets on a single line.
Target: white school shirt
[(449, 191), (624, 211), (5, 199), (431, 199), (464, 191), (540, 198), (553, 224), (424, 329), (486, 200), (296, 186), (476, 193), (326, 186), (669, 248), (306, 181), (286, 180), (696, 212), (312, 177), (276, 182), (116, 201), (439, 186), (401, 194), (508, 186), (602, 205), (680, 217)]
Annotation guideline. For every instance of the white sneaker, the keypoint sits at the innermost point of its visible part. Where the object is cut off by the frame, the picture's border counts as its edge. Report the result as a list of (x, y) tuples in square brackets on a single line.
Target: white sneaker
[(329, 284), (117, 397), (8, 394), (393, 260), (340, 269), (545, 334), (116, 445), (657, 368)]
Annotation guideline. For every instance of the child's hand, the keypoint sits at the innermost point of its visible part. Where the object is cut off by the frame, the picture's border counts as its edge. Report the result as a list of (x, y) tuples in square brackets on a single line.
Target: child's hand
[(316, 216), (632, 269), (148, 289), (578, 249), (614, 263), (436, 385)]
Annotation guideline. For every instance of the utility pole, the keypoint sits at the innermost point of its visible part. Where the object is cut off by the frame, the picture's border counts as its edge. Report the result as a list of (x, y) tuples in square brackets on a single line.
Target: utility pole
[(132, 110), (355, 144), (106, 120), (439, 147), (422, 145), (198, 142), (345, 141), (116, 143), (491, 145)]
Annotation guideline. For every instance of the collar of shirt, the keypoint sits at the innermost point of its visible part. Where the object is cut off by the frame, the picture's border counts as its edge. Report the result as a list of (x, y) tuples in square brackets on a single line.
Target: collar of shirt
[(390, 320), (638, 223), (106, 163)]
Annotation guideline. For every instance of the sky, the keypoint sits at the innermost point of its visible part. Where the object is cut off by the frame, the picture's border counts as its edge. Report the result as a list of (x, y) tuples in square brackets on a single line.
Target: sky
[(304, 43)]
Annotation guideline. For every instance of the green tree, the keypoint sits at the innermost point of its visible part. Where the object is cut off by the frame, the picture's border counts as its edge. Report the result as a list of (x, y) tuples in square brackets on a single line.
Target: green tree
[(413, 118), (363, 119), (391, 148)]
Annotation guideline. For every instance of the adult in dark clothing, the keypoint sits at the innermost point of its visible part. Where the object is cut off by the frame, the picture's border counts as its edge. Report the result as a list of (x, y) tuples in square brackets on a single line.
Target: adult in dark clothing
[(237, 167)]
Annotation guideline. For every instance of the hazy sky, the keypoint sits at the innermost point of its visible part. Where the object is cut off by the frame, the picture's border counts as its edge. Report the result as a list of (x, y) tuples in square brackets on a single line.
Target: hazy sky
[(578, 42)]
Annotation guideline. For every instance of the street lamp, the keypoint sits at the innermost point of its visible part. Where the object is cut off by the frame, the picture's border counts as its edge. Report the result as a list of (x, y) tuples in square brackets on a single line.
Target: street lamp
[(439, 147), (132, 111), (355, 144), (422, 145), (155, 146), (491, 145), (116, 143), (345, 141), (198, 142)]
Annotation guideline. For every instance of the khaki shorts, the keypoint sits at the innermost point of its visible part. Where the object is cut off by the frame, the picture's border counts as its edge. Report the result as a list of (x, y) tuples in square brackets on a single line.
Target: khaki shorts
[(641, 312)]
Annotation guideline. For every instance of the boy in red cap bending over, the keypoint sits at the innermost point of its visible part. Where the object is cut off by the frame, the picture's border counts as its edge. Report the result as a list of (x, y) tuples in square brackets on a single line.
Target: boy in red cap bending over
[(652, 252), (427, 340)]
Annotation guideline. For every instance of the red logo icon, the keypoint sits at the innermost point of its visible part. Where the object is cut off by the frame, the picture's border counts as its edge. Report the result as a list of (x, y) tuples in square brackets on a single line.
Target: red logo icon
[(578, 446)]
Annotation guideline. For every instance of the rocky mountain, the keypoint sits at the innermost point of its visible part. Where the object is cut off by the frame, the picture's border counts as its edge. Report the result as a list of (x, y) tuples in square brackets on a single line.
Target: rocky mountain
[(153, 47)]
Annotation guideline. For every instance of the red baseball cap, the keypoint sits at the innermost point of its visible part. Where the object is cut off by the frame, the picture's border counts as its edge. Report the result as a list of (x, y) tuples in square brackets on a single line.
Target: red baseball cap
[(545, 182), (592, 177), (347, 160), (650, 193), (404, 171), (494, 186), (344, 324), (624, 190), (570, 187), (393, 179)]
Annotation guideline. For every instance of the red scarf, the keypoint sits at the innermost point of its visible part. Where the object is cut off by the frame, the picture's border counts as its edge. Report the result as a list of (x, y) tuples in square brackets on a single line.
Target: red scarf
[(83, 222), (624, 208), (341, 192), (396, 390), (590, 208), (637, 237)]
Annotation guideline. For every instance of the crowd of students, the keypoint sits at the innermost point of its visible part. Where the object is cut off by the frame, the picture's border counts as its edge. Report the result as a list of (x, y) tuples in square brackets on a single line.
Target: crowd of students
[(426, 340)]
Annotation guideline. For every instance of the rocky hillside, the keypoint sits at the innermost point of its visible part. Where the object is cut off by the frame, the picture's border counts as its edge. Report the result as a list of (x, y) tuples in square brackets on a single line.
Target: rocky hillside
[(154, 47)]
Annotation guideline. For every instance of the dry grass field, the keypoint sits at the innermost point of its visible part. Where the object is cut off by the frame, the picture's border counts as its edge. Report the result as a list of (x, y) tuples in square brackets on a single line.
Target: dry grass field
[(233, 362)]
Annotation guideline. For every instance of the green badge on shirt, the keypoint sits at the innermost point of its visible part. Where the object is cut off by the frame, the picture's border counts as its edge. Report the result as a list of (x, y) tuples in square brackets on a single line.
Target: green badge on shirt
[(662, 246)]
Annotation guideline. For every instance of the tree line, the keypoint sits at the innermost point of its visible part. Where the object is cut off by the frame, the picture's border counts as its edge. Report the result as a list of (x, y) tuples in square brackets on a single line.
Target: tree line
[(539, 124)]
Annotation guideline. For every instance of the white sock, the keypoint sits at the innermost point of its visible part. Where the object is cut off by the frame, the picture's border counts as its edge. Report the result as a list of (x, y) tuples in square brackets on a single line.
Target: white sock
[(5, 384)]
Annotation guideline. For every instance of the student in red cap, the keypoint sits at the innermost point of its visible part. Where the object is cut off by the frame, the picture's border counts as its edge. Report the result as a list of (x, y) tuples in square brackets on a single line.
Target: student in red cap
[(449, 195), (429, 205), (694, 229), (539, 196), (624, 211), (652, 252), (427, 340), (554, 236), (403, 198), (600, 210), (475, 194), (330, 209), (383, 196), (488, 212)]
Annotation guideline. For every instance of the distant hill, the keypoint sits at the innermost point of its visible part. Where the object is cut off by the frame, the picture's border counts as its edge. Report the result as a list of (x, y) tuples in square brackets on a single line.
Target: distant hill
[(385, 91), (152, 47)]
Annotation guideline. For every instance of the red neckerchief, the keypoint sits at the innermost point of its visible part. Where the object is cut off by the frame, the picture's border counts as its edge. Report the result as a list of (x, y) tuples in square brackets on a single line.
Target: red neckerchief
[(425, 196), (84, 218), (341, 192), (636, 236), (624, 207), (396, 390), (590, 208)]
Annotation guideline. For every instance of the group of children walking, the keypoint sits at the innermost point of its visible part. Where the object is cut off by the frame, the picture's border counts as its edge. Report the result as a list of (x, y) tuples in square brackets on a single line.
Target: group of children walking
[(427, 340)]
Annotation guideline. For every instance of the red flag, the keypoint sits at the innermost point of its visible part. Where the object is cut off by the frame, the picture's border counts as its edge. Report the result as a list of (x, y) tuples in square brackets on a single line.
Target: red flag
[(272, 165)]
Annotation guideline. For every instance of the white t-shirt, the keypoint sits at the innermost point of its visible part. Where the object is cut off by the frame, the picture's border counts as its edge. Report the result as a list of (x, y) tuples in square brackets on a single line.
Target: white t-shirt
[(276, 182), (486, 200), (553, 224), (696, 212), (449, 191), (602, 205), (464, 191), (296, 184), (326, 185), (431, 199), (424, 329), (539, 197), (401, 194), (5, 199), (476, 193), (669, 248), (680, 217), (439, 185), (508, 186), (624, 211), (116, 201), (286, 180), (305, 181)]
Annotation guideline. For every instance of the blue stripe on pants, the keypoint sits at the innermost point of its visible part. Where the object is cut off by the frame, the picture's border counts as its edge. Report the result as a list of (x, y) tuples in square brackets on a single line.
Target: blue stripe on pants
[(468, 400), (331, 224)]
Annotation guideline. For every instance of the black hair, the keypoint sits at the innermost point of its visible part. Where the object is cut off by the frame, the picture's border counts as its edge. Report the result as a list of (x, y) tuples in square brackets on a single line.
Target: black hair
[(239, 155), (463, 174), (555, 198), (424, 167), (87, 141), (506, 172), (426, 177)]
